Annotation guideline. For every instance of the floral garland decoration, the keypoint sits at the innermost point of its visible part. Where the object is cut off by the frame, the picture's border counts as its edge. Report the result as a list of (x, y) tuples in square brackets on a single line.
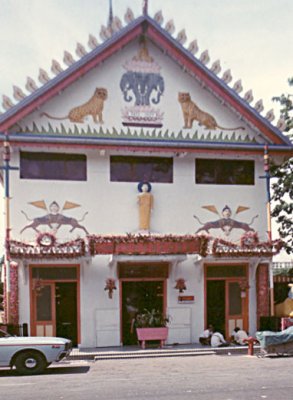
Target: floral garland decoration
[(71, 249), (46, 239), (249, 240), (111, 244), (243, 284), (250, 246)]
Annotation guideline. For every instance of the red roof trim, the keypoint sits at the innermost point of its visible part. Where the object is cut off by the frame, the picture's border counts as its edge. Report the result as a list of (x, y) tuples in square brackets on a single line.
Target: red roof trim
[(152, 149), (72, 77), (211, 83)]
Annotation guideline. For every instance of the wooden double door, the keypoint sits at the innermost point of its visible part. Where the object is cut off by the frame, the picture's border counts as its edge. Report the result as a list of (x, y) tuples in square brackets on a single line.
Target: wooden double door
[(226, 304), (54, 310)]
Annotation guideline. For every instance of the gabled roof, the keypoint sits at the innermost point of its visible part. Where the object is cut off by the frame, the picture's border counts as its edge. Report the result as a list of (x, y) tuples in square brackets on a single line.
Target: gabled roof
[(152, 30)]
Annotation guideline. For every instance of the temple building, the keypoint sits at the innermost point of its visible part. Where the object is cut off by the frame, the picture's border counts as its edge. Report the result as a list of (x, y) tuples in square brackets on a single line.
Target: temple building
[(137, 180)]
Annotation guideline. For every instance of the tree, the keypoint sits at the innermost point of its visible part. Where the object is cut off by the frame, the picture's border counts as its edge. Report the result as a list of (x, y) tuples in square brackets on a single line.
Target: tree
[(283, 185)]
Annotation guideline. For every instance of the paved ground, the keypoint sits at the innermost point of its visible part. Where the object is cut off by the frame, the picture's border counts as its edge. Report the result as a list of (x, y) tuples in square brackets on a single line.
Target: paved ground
[(220, 377)]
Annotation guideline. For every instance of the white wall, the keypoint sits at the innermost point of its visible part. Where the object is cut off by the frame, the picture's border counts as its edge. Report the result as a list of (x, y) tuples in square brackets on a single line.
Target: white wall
[(112, 206)]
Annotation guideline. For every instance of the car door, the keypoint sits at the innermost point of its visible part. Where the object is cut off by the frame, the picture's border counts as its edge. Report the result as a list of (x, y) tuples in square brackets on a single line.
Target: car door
[(5, 349)]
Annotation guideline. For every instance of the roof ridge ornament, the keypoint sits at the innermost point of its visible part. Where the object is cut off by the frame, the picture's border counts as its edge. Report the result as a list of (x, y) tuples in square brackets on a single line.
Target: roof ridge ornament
[(158, 17), (248, 96), (237, 87), (80, 50), (129, 16), (259, 106), (18, 93), (170, 27), (227, 77), (43, 76), (104, 33), (145, 7), (193, 47), (281, 124), (181, 37), (56, 67), (68, 59), (30, 85), (6, 103), (116, 25), (92, 42), (204, 57), (110, 20), (216, 67), (270, 116)]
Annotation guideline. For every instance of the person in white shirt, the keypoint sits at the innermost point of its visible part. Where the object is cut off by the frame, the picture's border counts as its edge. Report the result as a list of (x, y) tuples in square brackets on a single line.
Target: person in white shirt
[(205, 337), (239, 335), (217, 340)]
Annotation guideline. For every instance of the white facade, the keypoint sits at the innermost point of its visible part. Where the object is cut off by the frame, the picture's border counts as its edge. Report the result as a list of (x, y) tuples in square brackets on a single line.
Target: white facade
[(103, 207)]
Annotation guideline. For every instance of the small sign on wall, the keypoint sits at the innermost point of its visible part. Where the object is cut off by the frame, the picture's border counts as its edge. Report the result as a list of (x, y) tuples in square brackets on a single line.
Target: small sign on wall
[(185, 299)]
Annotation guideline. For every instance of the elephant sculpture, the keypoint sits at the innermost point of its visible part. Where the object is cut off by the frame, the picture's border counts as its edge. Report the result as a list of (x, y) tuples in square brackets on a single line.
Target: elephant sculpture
[(142, 85)]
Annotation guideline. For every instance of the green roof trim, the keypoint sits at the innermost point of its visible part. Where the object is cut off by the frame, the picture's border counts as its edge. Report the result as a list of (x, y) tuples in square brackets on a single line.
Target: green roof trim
[(142, 134)]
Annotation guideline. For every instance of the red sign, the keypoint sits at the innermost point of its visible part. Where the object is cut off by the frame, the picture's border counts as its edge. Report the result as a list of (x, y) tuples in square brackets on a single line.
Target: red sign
[(186, 299)]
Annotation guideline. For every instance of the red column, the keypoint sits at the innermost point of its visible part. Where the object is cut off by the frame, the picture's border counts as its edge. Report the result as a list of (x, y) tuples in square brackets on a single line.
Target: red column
[(14, 310), (262, 292)]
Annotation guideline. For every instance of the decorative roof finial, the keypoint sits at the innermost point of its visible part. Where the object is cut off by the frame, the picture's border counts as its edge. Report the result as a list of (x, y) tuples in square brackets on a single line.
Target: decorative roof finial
[(110, 20), (145, 7)]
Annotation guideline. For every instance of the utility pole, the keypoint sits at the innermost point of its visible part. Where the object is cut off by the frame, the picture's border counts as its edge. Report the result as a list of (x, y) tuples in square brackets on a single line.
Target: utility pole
[(269, 219), (6, 167)]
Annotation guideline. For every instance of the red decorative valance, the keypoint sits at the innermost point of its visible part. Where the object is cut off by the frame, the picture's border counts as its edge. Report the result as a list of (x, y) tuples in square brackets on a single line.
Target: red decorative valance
[(145, 245), (149, 244), (223, 248), (73, 249)]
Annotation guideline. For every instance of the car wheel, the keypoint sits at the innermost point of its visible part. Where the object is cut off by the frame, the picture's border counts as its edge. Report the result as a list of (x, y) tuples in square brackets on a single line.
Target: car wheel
[(30, 362)]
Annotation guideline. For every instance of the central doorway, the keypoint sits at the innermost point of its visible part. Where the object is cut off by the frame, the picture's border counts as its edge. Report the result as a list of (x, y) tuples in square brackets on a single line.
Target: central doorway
[(138, 296), (142, 286)]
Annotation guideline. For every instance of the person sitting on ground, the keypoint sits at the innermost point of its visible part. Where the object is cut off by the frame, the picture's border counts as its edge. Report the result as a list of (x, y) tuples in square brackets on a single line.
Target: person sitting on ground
[(239, 336), (217, 340), (205, 337)]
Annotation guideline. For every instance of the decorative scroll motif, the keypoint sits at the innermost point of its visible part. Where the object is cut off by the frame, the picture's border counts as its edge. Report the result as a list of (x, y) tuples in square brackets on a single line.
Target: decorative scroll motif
[(144, 81)]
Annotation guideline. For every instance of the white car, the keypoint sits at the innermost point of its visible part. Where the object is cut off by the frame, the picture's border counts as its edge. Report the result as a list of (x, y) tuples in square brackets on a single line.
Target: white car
[(31, 354)]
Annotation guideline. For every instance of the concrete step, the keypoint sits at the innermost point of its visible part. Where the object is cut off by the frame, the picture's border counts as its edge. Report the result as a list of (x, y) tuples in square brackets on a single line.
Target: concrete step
[(147, 354), (96, 354)]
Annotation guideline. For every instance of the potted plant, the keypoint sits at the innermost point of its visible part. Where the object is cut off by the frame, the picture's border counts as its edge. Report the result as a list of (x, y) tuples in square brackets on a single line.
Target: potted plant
[(151, 325)]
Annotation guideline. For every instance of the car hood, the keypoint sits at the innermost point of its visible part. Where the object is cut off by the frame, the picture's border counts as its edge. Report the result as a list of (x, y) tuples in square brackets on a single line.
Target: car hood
[(33, 340)]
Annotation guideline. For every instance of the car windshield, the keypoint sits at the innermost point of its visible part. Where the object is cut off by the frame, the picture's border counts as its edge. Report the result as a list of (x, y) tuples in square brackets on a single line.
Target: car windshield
[(4, 334)]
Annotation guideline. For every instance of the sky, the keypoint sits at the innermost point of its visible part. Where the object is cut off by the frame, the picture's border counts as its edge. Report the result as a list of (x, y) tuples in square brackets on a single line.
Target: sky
[(252, 38)]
